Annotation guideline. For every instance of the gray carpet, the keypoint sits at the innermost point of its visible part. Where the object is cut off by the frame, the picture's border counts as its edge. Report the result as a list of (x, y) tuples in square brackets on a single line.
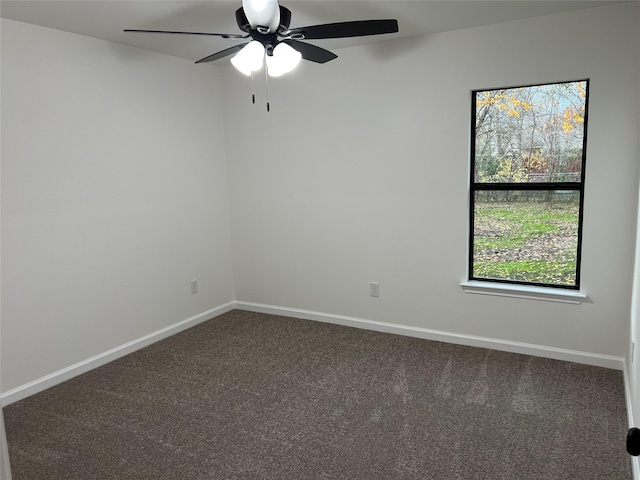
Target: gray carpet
[(252, 396)]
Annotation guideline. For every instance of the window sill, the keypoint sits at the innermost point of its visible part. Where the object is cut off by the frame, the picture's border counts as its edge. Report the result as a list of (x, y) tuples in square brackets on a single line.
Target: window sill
[(523, 291)]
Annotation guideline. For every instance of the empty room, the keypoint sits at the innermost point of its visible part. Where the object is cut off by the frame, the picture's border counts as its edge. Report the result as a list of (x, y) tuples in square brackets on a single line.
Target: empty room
[(399, 243)]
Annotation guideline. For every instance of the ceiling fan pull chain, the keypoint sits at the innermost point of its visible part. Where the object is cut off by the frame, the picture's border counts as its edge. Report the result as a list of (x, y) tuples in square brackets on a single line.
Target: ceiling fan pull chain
[(266, 80), (253, 90)]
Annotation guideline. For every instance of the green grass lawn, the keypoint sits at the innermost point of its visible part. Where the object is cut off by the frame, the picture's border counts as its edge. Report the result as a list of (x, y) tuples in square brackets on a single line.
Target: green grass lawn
[(530, 242), (561, 273)]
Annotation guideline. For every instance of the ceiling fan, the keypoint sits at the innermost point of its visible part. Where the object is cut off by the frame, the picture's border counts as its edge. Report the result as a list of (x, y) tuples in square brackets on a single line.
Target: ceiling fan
[(267, 25)]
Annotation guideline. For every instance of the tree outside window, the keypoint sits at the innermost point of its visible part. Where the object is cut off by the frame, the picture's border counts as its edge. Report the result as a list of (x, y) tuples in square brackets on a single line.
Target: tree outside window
[(528, 151)]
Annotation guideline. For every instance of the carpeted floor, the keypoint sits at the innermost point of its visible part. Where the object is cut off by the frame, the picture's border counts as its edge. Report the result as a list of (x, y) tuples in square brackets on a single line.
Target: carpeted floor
[(253, 396)]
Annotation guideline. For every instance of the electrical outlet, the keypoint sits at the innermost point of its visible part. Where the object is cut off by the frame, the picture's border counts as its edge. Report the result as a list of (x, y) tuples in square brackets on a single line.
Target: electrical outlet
[(194, 286), (375, 289)]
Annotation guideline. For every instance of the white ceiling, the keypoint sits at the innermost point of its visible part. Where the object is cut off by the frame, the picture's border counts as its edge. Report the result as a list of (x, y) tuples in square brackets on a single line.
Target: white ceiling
[(106, 19)]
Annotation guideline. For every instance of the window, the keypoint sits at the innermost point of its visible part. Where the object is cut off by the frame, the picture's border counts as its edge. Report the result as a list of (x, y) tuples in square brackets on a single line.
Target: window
[(528, 147)]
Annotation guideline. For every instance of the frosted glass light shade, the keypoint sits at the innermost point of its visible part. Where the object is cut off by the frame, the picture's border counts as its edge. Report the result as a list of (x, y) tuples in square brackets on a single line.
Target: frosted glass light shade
[(262, 13), (284, 59), (249, 59)]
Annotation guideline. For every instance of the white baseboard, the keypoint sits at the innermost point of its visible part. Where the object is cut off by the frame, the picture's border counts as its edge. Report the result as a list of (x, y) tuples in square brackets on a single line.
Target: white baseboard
[(595, 359), (67, 373)]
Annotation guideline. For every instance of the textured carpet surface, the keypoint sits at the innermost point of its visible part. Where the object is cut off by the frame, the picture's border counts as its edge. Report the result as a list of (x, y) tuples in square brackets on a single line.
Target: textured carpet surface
[(253, 396)]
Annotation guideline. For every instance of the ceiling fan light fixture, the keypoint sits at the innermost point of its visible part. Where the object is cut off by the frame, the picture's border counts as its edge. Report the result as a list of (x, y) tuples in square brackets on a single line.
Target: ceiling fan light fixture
[(250, 58), (284, 59), (262, 13)]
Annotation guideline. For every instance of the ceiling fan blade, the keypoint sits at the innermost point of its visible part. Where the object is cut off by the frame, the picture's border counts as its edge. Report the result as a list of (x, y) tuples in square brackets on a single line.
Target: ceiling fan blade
[(359, 28), (223, 35), (223, 53), (311, 52)]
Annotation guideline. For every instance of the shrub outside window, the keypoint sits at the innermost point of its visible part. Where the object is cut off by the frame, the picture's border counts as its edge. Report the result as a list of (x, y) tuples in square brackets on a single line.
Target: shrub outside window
[(528, 151)]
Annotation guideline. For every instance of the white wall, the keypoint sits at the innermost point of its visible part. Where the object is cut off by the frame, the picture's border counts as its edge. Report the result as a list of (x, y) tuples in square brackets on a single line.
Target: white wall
[(5, 468), (114, 196), (632, 357), (359, 174), (632, 376)]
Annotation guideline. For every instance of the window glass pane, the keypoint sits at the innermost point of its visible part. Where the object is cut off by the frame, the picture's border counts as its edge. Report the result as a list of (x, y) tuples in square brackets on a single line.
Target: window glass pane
[(526, 236), (530, 134)]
